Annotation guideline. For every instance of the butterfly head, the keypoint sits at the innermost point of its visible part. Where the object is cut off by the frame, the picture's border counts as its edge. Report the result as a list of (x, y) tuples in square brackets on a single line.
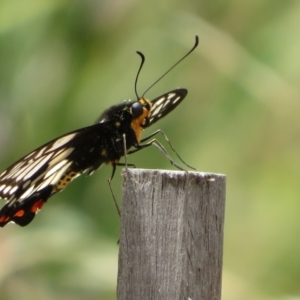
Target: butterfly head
[(140, 111)]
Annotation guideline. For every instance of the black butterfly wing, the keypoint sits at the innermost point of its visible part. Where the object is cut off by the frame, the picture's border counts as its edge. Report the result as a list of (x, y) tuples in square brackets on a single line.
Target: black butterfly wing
[(164, 104), (28, 183)]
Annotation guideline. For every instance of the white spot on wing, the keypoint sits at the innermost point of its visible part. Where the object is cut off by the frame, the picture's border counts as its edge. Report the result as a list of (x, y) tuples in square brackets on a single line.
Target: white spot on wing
[(15, 169), (21, 172), (56, 159), (19, 175), (176, 100), (56, 168), (166, 103), (25, 184), (59, 174), (171, 95), (40, 153), (156, 111), (45, 182), (13, 189), (27, 193), (159, 101), (3, 173), (6, 190), (37, 166), (61, 141)]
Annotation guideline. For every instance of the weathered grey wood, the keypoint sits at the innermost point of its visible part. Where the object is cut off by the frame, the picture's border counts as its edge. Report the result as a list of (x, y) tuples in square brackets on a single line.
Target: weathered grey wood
[(171, 235)]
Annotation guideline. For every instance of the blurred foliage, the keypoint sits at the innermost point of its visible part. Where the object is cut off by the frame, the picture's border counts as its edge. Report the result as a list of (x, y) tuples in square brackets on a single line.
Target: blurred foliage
[(64, 62)]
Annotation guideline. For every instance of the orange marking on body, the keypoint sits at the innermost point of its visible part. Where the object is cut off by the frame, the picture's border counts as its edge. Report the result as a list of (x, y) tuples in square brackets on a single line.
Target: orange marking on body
[(19, 213), (37, 206), (137, 123)]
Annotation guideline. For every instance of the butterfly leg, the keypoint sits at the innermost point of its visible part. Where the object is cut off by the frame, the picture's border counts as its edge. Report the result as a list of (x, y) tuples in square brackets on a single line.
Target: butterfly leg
[(126, 165), (169, 142), (110, 179), (158, 145), (111, 190)]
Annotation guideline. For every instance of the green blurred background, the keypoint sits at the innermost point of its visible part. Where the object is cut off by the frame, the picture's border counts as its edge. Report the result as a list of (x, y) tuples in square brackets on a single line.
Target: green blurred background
[(63, 62)]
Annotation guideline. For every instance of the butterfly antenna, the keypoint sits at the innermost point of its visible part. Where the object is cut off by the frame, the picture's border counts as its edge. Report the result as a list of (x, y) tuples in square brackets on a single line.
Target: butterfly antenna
[(194, 47), (138, 73)]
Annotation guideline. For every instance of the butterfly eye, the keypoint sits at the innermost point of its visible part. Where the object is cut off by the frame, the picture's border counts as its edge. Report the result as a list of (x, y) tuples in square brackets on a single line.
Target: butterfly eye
[(136, 109)]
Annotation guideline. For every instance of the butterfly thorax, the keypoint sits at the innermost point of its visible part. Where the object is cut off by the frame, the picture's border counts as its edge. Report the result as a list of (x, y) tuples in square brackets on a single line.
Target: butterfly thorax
[(119, 122)]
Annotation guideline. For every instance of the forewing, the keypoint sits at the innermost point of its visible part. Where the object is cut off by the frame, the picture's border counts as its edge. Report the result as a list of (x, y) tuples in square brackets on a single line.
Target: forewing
[(164, 104)]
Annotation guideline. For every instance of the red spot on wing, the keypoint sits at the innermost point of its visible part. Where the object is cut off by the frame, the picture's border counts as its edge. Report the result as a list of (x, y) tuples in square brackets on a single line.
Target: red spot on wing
[(37, 206), (4, 219), (19, 213)]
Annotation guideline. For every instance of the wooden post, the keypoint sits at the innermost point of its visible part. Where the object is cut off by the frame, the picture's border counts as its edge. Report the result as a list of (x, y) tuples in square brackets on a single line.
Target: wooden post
[(171, 235)]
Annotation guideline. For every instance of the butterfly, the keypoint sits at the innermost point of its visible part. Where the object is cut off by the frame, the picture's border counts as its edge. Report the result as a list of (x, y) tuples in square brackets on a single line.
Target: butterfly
[(31, 181)]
